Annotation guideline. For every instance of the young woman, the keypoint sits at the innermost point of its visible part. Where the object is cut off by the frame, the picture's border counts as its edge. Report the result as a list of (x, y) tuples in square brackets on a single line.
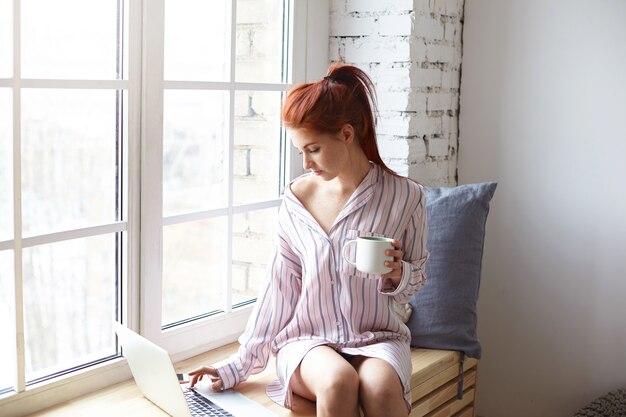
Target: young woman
[(330, 326)]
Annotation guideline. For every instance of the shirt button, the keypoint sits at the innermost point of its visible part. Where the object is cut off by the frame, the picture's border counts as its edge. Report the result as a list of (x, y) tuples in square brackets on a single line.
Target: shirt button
[(338, 324)]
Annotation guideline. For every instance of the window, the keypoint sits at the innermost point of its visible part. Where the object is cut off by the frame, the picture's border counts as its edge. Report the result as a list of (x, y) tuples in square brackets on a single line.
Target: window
[(209, 235), (63, 133), (222, 148), (141, 166)]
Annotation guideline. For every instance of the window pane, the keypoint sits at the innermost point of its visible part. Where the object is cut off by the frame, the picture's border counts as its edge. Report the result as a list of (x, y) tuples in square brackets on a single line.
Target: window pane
[(197, 40), (257, 146), (69, 303), (68, 159), (259, 41), (195, 149), (6, 164), (253, 244), (69, 39), (194, 267), (7, 324), (6, 39)]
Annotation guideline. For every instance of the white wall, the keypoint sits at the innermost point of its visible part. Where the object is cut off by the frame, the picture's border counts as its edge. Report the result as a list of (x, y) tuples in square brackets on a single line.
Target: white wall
[(543, 110)]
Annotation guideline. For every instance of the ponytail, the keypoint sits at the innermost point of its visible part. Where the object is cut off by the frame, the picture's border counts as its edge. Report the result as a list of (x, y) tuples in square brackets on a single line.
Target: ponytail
[(345, 96)]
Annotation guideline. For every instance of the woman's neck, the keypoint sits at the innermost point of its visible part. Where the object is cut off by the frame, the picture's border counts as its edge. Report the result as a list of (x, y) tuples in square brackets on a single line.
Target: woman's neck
[(356, 170)]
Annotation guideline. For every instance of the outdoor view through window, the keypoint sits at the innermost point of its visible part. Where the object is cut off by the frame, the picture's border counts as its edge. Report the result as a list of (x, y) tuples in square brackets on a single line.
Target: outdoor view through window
[(66, 159), (198, 182)]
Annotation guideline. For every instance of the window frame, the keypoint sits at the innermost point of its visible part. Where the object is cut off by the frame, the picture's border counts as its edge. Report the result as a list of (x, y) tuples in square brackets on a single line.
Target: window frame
[(145, 116)]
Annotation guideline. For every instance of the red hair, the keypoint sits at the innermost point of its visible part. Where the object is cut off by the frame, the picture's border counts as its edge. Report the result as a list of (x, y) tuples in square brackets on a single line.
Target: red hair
[(345, 96)]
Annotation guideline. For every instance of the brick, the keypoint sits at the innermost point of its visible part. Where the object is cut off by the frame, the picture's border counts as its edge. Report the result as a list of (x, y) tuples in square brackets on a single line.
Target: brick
[(240, 278), (335, 49), (342, 25), (391, 25), (394, 100), (417, 102), (426, 77), (450, 32), (431, 173), (261, 223), (377, 49), (451, 79), (441, 101), (450, 126), (417, 149), (397, 126), (393, 147), (437, 147), (440, 53), (447, 7), (400, 166), (421, 125), (398, 77), (241, 161), (251, 251), (458, 36), (377, 5), (428, 27), (418, 50)]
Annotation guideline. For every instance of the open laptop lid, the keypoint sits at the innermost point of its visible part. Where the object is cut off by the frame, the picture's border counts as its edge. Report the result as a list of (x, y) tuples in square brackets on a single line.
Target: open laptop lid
[(153, 372)]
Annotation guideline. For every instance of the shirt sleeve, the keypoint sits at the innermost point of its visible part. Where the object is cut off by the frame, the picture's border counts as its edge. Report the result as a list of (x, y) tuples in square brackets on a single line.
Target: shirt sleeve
[(273, 310), (415, 256)]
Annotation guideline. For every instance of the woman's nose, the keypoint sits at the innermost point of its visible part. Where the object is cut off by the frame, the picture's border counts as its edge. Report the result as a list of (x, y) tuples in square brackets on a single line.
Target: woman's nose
[(306, 163)]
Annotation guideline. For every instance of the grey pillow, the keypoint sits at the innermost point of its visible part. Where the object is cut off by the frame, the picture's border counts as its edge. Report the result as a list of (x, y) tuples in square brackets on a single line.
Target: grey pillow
[(444, 311)]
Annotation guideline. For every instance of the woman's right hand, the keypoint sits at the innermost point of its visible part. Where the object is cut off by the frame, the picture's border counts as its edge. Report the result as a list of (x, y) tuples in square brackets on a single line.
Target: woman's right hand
[(197, 374)]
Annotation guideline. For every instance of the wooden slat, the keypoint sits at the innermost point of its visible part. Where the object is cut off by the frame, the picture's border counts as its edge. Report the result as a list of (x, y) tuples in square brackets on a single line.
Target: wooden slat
[(429, 362), (466, 412), (442, 395), (420, 389), (454, 406)]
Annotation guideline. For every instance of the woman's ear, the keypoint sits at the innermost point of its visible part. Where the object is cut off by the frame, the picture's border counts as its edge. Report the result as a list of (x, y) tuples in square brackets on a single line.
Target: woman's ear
[(347, 133)]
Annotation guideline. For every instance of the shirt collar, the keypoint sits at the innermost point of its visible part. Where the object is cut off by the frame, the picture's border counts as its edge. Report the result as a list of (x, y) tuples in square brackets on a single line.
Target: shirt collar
[(358, 199)]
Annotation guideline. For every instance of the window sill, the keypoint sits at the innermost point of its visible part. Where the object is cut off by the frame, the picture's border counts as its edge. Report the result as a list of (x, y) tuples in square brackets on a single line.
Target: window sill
[(124, 397), (43, 395)]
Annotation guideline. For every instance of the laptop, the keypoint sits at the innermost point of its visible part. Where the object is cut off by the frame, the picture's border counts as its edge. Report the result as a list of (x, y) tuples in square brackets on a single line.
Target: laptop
[(156, 379)]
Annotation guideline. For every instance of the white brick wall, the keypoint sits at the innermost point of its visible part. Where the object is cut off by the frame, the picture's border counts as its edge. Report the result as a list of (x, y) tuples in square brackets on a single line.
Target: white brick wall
[(412, 51)]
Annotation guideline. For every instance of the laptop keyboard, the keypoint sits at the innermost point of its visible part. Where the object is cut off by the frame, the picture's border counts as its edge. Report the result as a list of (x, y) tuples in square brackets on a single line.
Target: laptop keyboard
[(201, 406)]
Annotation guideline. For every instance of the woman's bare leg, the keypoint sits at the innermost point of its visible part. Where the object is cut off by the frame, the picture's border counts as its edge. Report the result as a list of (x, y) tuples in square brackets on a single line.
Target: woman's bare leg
[(326, 377), (380, 391)]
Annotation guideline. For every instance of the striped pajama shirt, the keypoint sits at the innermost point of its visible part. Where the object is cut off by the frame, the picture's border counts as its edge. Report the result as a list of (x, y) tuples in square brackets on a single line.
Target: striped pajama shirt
[(313, 297)]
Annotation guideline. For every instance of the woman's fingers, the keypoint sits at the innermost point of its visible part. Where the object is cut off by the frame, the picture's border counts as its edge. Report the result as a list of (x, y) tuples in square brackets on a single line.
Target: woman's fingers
[(395, 253), (197, 375)]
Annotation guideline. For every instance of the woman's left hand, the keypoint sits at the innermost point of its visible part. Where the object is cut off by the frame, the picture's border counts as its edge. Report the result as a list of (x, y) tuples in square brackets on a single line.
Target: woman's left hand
[(395, 275)]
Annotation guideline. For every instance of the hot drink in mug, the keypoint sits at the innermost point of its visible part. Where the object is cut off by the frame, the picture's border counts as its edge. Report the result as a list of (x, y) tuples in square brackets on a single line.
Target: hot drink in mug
[(370, 254)]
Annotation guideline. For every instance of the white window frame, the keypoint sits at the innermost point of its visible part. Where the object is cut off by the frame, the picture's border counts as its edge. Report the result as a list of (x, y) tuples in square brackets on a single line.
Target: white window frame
[(142, 291)]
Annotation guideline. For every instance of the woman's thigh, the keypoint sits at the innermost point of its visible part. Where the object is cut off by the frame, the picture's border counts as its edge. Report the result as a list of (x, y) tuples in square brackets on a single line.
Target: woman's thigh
[(379, 384), (320, 367)]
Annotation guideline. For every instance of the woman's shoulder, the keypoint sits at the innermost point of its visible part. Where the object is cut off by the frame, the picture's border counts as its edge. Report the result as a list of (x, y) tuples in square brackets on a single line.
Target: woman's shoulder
[(406, 182), (302, 186)]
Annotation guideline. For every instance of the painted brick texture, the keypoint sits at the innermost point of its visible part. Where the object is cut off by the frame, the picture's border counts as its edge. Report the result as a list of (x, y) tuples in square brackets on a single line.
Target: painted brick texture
[(412, 50)]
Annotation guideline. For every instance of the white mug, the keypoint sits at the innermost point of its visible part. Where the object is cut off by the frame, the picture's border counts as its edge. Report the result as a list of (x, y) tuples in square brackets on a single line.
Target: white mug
[(370, 254)]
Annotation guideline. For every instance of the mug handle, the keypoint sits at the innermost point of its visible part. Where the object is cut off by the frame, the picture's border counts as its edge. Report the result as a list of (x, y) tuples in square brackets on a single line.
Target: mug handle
[(345, 255)]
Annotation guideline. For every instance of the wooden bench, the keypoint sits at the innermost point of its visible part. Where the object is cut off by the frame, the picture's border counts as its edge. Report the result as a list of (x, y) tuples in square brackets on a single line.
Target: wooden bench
[(434, 387)]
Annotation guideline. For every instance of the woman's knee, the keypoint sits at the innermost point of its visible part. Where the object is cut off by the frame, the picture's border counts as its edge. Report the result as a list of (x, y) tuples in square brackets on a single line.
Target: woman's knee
[(382, 399), (380, 390), (340, 385)]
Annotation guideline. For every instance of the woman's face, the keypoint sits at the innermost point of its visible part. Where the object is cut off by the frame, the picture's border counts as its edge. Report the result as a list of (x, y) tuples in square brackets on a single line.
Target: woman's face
[(324, 154)]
